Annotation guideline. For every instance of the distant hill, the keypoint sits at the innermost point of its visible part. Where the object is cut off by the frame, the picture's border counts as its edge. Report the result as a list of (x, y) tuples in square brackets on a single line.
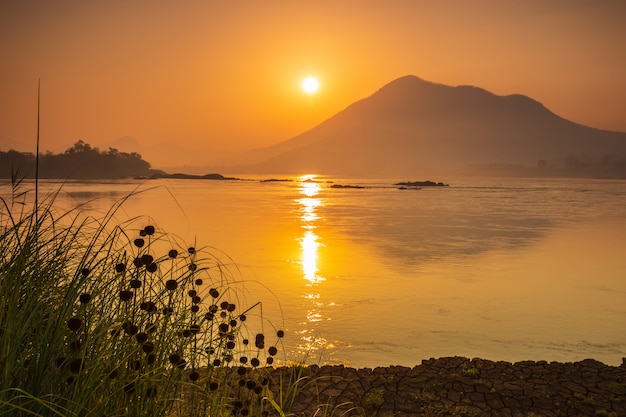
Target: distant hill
[(81, 161), (412, 127)]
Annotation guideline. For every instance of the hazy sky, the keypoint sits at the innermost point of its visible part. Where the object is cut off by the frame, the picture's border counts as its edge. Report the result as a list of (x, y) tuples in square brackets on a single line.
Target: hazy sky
[(225, 75)]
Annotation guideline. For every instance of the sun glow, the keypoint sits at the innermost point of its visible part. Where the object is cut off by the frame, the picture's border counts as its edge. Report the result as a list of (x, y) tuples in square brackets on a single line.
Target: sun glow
[(310, 85)]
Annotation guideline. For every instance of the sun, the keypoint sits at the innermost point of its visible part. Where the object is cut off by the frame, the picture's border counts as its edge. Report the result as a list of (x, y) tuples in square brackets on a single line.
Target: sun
[(310, 85)]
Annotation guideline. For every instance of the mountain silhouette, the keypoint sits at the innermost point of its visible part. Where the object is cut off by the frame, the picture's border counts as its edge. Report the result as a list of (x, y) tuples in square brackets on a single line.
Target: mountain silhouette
[(413, 126)]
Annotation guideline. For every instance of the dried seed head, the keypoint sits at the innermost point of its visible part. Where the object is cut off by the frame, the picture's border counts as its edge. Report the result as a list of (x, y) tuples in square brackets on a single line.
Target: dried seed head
[(195, 309), (191, 250), (173, 253), (174, 358), (171, 284), (148, 306), (141, 337), (130, 328), (84, 298), (259, 341), (151, 267), (214, 293), (255, 362), (74, 324), (199, 281), (139, 242), (135, 283), (192, 293), (213, 386), (193, 376), (280, 333), (193, 267), (76, 365), (126, 295), (272, 350), (120, 268), (147, 347), (85, 271), (149, 230), (147, 259)]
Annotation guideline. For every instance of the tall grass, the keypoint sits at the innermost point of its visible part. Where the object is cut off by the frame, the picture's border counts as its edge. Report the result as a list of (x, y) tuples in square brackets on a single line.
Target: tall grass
[(99, 319)]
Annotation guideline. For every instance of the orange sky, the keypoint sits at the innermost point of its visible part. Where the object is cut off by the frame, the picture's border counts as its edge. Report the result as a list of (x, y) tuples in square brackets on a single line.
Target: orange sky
[(225, 75)]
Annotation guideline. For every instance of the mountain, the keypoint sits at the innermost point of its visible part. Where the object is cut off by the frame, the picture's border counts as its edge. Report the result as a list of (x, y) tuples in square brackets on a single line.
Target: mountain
[(412, 126)]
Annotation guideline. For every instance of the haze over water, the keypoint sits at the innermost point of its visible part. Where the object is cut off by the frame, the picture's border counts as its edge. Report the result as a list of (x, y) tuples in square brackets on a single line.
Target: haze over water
[(503, 269)]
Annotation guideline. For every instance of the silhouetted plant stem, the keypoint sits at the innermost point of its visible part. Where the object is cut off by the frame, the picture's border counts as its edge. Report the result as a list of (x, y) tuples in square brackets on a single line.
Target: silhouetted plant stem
[(37, 152)]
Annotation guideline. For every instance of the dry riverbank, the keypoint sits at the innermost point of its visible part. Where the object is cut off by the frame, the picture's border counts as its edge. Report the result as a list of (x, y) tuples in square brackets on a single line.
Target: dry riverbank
[(459, 386)]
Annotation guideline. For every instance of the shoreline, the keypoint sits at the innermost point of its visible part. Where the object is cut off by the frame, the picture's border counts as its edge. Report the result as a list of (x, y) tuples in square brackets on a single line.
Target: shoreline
[(459, 386)]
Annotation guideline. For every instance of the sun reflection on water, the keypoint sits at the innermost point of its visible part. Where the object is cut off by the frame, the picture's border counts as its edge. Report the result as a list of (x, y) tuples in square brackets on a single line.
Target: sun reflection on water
[(309, 242), (309, 245), (308, 211)]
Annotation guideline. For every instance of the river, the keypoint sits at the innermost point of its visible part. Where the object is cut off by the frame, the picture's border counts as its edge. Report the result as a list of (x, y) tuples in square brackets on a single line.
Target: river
[(502, 269)]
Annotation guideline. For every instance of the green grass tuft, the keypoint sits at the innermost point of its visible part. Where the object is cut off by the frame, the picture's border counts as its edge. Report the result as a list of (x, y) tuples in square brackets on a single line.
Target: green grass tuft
[(98, 319)]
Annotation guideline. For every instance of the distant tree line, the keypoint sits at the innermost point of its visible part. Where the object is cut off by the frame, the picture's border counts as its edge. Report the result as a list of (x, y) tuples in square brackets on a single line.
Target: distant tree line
[(81, 161)]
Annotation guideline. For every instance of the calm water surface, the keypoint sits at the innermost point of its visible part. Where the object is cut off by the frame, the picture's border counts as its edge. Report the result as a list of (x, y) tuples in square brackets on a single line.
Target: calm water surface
[(503, 269)]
